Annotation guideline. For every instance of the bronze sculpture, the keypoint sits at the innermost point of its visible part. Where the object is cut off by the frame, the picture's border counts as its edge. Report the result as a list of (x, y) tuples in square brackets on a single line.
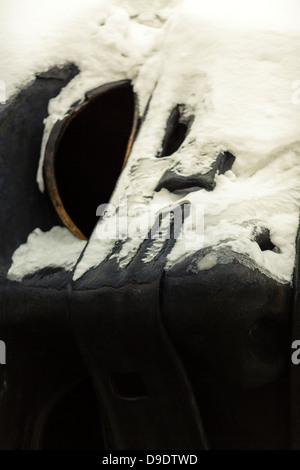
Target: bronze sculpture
[(179, 358)]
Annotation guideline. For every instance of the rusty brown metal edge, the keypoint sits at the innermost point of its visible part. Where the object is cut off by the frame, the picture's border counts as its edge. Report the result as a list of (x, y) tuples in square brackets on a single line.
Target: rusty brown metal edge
[(53, 142)]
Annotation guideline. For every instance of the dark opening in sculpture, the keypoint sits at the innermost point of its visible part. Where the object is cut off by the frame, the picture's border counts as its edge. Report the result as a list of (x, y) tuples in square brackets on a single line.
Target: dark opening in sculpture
[(86, 152)]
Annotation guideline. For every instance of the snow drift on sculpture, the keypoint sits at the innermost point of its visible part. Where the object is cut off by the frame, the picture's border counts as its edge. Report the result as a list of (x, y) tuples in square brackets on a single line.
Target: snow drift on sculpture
[(235, 71)]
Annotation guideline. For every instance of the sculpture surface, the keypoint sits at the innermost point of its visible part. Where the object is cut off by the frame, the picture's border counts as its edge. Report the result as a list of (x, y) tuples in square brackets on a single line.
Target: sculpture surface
[(173, 315)]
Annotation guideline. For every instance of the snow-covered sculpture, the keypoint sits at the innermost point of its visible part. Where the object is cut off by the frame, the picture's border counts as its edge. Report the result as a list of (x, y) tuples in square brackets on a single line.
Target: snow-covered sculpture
[(181, 299)]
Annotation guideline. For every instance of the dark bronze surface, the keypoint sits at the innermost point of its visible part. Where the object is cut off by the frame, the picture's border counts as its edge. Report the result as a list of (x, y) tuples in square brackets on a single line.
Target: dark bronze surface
[(178, 359)]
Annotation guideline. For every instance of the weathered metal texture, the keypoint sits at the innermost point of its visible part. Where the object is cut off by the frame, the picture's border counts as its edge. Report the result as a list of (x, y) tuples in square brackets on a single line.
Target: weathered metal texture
[(225, 330), (42, 357), (23, 207), (179, 359), (231, 327), (87, 156), (145, 396), (295, 372)]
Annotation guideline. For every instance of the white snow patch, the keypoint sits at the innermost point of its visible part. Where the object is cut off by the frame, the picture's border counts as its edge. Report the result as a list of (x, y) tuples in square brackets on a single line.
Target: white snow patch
[(233, 64), (270, 198), (55, 248), (237, 84), (209, 261)]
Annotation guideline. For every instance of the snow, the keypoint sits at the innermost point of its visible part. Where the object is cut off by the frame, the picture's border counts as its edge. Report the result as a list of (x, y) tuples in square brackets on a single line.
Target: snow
[(233, 64), (56, 248)]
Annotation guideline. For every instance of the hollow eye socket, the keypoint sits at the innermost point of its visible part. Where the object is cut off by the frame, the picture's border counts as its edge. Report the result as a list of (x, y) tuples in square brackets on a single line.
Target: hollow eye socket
[(86, 152), (177, 129)]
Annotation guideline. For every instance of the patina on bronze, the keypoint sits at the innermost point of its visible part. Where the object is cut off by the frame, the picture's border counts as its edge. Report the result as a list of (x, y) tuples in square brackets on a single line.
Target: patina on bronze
[(179, 359), (83, 158)]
